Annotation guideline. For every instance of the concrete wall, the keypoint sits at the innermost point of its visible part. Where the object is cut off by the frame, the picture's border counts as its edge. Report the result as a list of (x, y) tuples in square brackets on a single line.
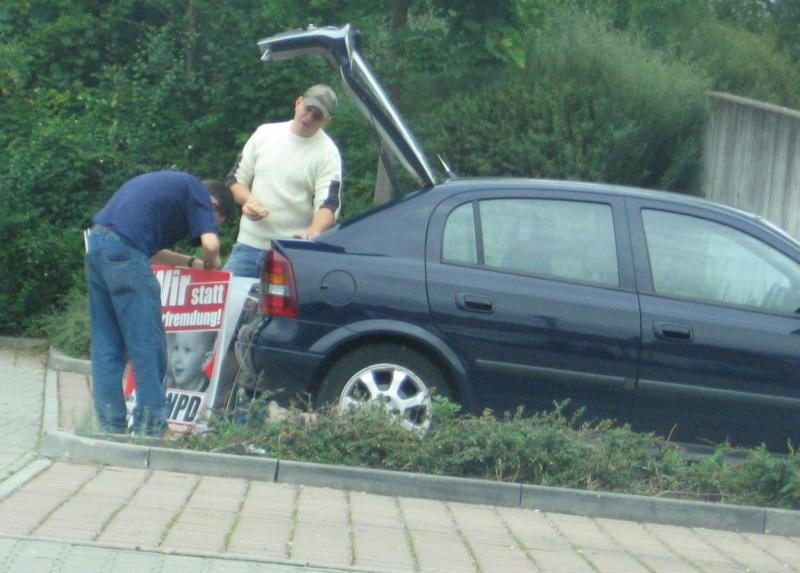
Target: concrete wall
[(752, 159)]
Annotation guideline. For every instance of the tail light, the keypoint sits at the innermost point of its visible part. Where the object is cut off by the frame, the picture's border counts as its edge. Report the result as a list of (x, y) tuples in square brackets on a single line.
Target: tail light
[(278, 290)]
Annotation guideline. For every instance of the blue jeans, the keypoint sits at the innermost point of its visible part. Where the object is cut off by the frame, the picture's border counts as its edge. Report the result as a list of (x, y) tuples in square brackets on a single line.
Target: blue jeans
[(245, 261), (125, 315)]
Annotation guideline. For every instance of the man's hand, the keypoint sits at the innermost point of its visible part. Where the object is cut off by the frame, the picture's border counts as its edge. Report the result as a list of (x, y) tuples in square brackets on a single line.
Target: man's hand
[(253, 209), (323, 220), (214, 263), (307, 235), (210, 243)]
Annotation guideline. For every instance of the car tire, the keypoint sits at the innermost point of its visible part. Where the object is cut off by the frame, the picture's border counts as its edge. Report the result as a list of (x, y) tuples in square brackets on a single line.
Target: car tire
[(400, 377)]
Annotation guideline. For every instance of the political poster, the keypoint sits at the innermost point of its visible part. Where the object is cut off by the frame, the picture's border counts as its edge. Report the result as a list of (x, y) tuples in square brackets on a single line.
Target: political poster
[(193, 304)]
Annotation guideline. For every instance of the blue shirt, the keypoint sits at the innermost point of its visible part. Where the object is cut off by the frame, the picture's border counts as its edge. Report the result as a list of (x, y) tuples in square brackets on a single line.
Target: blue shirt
[(155, 210)]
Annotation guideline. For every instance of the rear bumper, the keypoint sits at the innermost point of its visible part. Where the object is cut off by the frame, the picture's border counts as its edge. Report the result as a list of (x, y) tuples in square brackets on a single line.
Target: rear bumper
[(271, 362)]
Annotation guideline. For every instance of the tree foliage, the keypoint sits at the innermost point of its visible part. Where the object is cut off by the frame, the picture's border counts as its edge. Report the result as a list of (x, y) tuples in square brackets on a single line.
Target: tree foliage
[(591, 105), (748, 47), (94, 92)]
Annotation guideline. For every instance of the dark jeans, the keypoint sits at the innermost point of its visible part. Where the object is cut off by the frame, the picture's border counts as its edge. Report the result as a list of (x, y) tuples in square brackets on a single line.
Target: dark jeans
[(125, 313)]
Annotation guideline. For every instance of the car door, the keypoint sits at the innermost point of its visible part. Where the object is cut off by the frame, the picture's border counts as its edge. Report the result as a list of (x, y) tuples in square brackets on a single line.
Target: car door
[(535, 290), (720, 328)]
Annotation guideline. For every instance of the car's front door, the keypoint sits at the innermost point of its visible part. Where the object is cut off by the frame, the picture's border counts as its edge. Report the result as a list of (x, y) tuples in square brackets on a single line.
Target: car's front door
[(535, 290), (720, 328)]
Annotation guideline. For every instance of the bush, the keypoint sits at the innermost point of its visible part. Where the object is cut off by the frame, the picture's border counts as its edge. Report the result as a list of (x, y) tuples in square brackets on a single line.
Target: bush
[(67, 325), (591, 105), (742, 63), (544, 449)]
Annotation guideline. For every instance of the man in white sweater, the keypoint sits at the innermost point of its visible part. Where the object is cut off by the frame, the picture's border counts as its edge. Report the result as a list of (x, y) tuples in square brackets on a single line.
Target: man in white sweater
[(287, 180)]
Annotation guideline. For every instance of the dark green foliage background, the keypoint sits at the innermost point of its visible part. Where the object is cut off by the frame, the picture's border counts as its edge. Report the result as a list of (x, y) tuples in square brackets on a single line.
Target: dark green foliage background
[(94, 92)]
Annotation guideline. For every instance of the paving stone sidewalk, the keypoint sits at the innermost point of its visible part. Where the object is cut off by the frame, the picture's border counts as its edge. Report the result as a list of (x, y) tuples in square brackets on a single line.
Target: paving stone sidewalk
[(88, 517), (39, 555), (22, 374), (159, 511)]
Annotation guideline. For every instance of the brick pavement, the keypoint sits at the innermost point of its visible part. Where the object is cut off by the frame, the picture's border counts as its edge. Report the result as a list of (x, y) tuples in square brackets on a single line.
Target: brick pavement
[(170, 512), (86, 517), (21, 394), (40, 556)]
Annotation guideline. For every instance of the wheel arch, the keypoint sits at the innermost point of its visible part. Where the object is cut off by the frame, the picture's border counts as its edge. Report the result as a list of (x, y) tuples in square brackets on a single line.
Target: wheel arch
[(342, 341)]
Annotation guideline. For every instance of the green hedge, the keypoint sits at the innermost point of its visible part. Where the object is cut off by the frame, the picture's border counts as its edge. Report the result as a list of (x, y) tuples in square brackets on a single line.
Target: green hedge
[(590, 105), (544, 449), (93, 93)]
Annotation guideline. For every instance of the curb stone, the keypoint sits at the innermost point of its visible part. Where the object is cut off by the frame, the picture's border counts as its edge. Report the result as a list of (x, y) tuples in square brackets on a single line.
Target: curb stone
[(21, 477), (396, 483), (67, 446), (57, 360), (22, 343), (683, 513), (217, 465)]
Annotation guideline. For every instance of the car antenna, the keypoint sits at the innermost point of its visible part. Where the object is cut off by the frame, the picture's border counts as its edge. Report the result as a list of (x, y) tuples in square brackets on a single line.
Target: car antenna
[(446, 166)]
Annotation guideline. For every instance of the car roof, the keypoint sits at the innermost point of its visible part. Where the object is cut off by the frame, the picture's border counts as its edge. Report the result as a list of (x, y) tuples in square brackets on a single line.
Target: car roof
[(458, 185)]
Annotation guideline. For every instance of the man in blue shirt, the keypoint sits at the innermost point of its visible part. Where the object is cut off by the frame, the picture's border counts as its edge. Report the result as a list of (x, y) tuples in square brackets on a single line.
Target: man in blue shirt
[(138, 225)]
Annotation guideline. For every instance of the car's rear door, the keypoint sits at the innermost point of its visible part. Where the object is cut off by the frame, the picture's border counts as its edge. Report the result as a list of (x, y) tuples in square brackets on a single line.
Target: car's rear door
[(720, 328), (534, 288)]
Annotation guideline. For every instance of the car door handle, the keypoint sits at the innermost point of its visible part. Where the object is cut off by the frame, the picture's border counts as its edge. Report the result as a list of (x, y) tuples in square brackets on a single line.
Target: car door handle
[(673, 332), (474, 302)]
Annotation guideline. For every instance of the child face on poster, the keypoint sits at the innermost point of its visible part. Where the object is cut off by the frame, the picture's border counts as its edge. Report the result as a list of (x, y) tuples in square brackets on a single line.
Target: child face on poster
[(188, 353)]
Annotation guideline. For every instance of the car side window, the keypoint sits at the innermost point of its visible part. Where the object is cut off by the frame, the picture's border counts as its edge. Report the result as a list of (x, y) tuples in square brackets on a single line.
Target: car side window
[(571, 240), (458, 245), (696, 258)]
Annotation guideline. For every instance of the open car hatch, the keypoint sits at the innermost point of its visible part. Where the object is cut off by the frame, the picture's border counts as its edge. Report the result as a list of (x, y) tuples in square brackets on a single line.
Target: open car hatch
[(341, 47)]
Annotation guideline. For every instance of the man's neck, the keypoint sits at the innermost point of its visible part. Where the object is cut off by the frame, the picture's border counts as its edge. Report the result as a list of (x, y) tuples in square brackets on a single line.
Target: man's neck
[(298, 131)]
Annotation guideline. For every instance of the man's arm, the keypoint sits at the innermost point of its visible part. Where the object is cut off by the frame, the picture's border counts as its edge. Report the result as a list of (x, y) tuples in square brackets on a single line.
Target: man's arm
[(243, 170), (210, 260), (327, 194), (322, 221), (210, 244), (251, 207), (173, 259)]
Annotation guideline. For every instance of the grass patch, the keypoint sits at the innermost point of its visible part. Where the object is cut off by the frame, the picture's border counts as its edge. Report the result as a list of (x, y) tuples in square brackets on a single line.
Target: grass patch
[(85, 424), (544, 449), (67, 328)]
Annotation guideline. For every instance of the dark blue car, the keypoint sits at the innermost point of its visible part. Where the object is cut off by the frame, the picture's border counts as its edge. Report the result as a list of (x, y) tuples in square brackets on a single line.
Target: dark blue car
[(668, 312)]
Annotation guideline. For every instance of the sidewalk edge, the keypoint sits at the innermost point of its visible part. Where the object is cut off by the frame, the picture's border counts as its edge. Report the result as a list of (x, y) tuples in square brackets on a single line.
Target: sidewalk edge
[(57, 360), (66, 446), (22, 343)]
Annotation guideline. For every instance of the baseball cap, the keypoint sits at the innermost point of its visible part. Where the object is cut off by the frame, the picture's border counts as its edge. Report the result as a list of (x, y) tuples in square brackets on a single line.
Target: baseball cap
[(322, 97)]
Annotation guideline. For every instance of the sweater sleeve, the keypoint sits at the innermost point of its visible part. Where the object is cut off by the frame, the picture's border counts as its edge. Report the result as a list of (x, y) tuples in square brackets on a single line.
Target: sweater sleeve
[(245, 167), (328, 182)]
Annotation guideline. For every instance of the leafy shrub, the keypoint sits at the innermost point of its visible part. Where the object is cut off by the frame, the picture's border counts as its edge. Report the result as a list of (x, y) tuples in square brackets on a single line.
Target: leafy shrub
[(543, 449), (742, 63), (591, 104), (742, 46), (67, 325)]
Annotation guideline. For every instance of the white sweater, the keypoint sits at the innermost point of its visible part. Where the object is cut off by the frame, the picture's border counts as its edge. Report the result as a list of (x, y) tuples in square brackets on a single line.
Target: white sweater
[(292, 176)]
